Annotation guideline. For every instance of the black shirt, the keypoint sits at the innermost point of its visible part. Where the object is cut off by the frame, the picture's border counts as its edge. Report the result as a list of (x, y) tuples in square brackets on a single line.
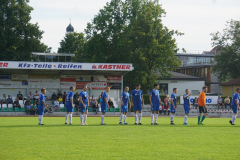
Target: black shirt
[(110, 103), (59, 94), (20, 96), (54, 96)]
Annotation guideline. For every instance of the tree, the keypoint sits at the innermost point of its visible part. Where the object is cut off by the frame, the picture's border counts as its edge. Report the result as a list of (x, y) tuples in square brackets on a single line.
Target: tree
[(131, 31), (226, 62), (19, 37), (72, 43)]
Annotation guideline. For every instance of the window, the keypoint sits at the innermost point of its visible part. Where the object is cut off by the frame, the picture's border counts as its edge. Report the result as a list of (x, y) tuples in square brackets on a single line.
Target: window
[(163, 89), (195, 92)]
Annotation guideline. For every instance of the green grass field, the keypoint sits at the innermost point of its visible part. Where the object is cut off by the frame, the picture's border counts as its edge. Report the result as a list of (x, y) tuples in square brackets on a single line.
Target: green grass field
[(22, 138)]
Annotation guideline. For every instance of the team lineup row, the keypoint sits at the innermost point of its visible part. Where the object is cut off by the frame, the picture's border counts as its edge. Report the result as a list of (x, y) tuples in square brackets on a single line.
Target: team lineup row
[(137, 102)]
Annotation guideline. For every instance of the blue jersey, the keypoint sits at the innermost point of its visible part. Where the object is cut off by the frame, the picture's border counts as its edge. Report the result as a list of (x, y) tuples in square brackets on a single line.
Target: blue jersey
[(137, 96), (84, 96), (125, 98), (174, 97), (235, 97), (186, 101), (154, 96), (105, 95), (41, 98), (69, 95)]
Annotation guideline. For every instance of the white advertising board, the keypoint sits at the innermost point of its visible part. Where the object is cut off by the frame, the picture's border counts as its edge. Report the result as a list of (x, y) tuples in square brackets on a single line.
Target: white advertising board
[(209, 99)]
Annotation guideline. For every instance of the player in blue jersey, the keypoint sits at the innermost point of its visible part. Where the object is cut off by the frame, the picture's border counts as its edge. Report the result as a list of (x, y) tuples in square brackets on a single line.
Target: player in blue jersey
[(84, 103), (104, 104), (69, 106), (235, 106), (41, 106), (124, 105), (137, 103), (173, 104), (154, 101), (187, 105)]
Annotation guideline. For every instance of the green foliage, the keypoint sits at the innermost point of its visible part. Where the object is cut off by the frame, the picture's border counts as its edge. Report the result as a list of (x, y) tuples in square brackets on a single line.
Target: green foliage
[(227, 61), (72, 43), (22, 138), (19, 38), (131, 31)]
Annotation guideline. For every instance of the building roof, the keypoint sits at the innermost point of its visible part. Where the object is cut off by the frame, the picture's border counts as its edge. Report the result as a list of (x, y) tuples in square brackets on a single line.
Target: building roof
[(70, 28), (232, 82), (181, 76)]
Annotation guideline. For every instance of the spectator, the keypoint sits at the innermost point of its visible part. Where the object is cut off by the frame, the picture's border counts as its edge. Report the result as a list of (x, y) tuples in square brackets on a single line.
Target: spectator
[(59, 94), (26, 103), (110, 103), (1, 101), (64, 97), (28, 107), (54, 96), (50, 109), (195, 102), (30, 96), (96, 107), (46, 109), (166, 105), (100, 99), (37, 103), (33, 110), (4, 99), (77, 106), (35, 107), (60, 99), (36, 96), (76, 97), (220, 101), (92, 98), (20, 96), (16, 104), (227, 102), (56, 105), (9, 100)]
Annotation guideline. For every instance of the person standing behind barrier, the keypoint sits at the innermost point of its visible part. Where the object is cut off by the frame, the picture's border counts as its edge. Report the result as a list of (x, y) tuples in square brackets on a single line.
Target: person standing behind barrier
[(202, 105), (235, 106)]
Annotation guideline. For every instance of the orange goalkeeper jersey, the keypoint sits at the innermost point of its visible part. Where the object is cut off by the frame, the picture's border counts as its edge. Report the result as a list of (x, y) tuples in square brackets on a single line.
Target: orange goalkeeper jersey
[(202, 99)]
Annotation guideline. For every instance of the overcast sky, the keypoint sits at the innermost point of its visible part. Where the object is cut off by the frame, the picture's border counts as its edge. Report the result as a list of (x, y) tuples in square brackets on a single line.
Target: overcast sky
[(196, 18)]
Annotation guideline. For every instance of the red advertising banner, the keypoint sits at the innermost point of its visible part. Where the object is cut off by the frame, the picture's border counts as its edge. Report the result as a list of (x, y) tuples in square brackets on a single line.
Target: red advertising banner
[(68, 79), (113, 78)]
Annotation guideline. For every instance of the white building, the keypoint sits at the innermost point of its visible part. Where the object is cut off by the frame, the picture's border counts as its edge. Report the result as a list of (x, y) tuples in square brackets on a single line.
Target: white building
[(182, 82)]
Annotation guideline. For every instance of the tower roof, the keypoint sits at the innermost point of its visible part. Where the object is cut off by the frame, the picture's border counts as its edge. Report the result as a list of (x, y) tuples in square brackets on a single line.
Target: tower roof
[(70, 28)]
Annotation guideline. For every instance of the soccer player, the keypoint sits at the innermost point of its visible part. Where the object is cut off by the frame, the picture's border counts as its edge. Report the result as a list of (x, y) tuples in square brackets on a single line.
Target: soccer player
[(124, 105), (69, 106), (154, 101), (173, 105), (84, 103), (41, 106), (235, 106), (187, 105), (104, 104), (202, 105), (137, 102)]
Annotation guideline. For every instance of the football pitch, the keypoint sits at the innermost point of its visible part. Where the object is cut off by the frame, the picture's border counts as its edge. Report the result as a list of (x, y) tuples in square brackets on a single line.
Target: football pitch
[(22, 138)]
